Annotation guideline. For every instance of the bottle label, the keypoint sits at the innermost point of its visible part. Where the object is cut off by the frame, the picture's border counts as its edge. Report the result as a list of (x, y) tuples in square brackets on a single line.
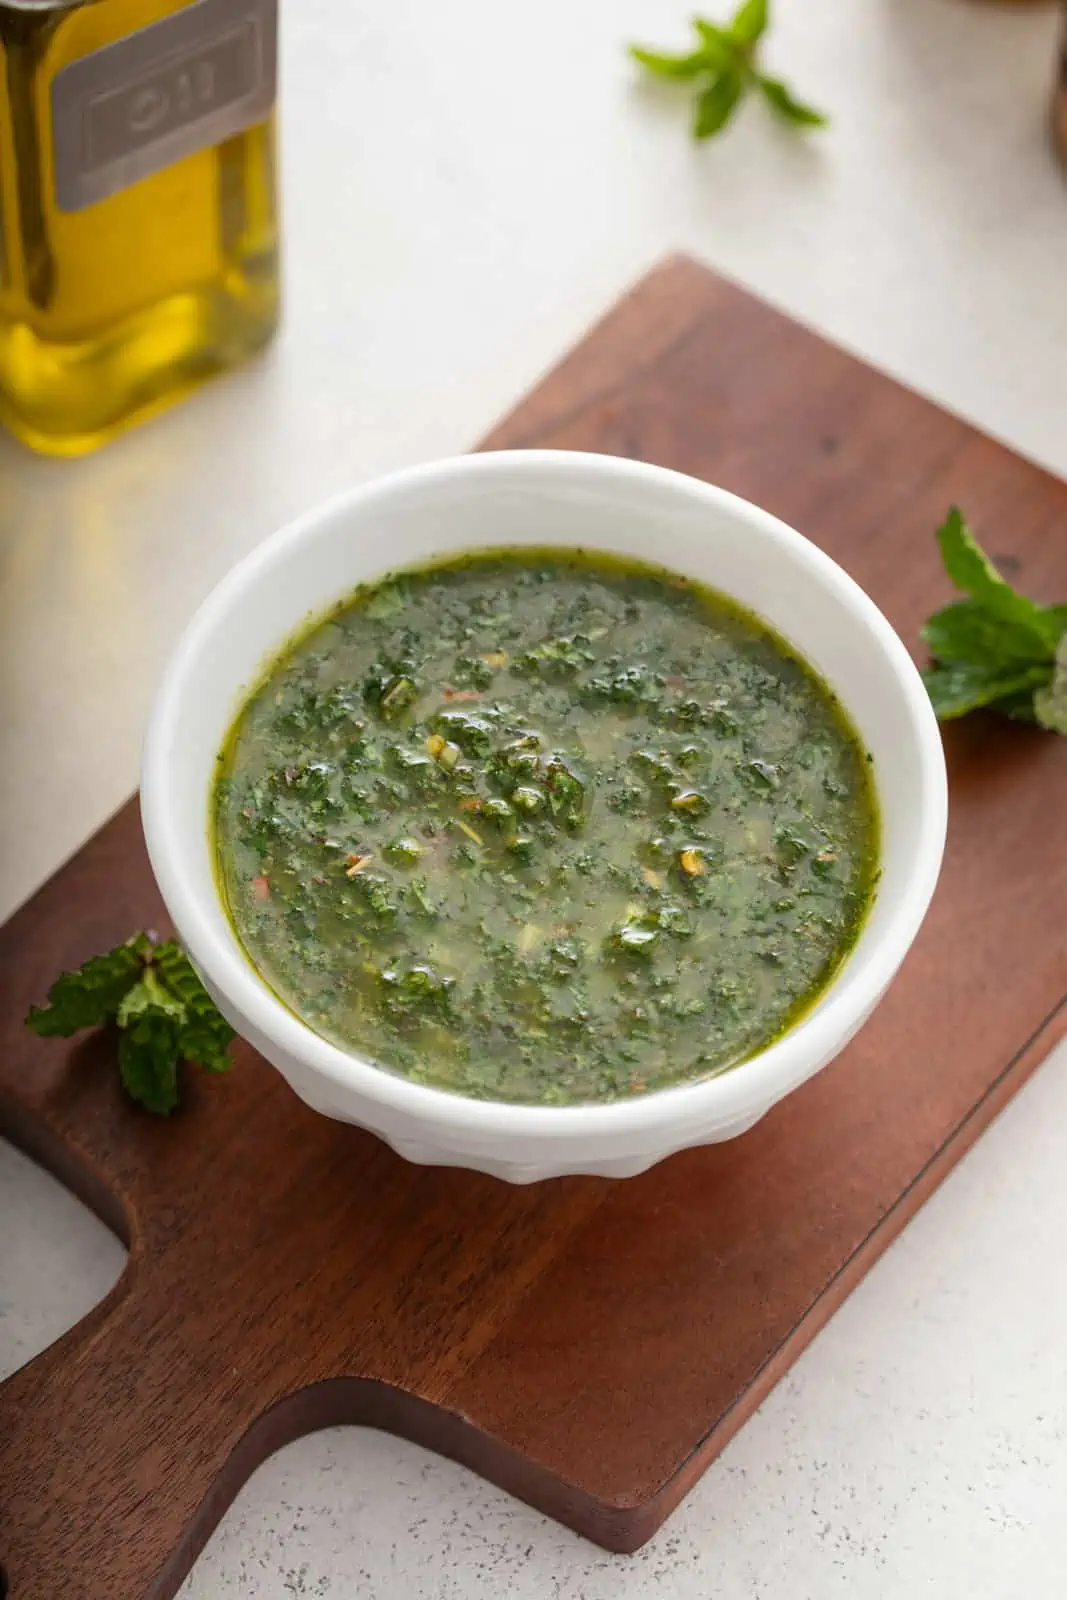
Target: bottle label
[(145, 101)]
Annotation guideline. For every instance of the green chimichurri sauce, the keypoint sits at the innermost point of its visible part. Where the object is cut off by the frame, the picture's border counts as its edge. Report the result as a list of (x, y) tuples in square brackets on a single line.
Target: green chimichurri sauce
[(545, 827)]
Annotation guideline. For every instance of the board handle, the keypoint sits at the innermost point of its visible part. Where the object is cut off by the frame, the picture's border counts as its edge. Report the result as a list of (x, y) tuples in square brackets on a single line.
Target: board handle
[(83, 1521)]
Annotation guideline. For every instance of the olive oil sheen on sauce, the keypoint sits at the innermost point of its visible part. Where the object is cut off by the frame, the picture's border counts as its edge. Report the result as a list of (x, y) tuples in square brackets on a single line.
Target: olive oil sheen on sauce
[(138, 220), (545, 827)]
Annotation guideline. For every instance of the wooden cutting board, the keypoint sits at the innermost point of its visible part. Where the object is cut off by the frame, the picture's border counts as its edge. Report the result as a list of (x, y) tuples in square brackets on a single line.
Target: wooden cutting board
[(588, 1345)]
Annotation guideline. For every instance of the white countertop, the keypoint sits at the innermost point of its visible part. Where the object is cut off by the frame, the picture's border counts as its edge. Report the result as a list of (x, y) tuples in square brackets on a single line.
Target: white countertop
[(467, 186)]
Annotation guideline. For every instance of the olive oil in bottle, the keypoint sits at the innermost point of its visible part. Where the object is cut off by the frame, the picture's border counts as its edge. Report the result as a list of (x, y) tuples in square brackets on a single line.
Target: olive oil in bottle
[(138, 221)]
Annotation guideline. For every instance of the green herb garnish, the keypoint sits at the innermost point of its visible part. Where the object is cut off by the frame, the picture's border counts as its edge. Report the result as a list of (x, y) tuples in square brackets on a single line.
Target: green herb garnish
[(996, 650), (151, 992), (724, 67)]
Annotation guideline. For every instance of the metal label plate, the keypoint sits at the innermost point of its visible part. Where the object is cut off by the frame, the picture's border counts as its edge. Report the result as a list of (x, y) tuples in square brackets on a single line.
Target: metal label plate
[(138, 105)]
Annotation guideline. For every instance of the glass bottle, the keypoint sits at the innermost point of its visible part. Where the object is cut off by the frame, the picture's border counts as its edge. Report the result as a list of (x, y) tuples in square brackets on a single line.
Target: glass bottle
[(138, 221), (1059, 97)]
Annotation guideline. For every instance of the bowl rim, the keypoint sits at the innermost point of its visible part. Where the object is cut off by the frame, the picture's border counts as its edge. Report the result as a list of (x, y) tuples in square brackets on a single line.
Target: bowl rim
[(756, 1082)]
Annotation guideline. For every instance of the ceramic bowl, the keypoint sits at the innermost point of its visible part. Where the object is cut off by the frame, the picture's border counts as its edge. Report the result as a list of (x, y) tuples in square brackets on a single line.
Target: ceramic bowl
[(523, 498)]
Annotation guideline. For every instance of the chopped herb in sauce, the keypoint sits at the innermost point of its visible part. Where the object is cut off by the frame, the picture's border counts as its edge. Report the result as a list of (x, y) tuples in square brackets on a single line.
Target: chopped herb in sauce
[(545, 827)]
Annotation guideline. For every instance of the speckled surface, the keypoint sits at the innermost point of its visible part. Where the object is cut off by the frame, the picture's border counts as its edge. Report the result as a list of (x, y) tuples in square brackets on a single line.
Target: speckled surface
[(450, 230)]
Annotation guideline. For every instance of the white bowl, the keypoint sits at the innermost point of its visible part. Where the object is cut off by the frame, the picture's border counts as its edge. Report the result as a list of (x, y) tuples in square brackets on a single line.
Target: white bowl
[(521, 498)]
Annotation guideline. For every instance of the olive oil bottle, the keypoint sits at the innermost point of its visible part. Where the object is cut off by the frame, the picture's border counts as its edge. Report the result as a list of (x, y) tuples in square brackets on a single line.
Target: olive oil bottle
[(138, 219), (1059, 98)]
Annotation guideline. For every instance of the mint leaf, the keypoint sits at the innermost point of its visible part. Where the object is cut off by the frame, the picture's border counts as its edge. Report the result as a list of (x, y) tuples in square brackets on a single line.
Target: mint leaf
[(178, 972), (205, 1036), (1019, 707), (162, 1010), (148, 1062), (998, 648), (719, 47), (717, 104), (965, 631), (680, 68), (723, 68), (782, 100), (958, 687), (972, 571), (1050, 702), (92, 994), (750, 22), (149, 995)]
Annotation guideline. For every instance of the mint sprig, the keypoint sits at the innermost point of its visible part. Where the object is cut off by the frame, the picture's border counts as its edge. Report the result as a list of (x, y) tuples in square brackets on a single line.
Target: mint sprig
[(205, 1036), (996, 650), (151, 992), (724, 67), (1050, 702)]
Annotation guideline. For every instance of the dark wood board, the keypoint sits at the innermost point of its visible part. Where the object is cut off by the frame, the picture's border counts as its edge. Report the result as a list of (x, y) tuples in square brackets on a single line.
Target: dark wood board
[(589, 1345)]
